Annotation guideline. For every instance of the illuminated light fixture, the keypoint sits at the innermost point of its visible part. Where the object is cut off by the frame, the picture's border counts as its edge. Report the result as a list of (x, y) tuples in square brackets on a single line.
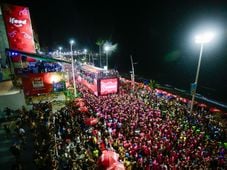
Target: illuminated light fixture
[(204, 38), (106, 48), (55, 78), (71, 42)]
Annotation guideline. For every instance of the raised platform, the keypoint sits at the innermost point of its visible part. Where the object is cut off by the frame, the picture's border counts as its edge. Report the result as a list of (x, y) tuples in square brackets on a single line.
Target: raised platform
[(7, 88), (10, 96)]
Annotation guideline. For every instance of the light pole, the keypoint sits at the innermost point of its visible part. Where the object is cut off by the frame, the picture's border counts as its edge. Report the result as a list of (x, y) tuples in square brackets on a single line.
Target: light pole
[(107, 49), (132, 74), (200, 39), (100, 44), (89, 58), (72, 60), (60, 48), (85, 55)]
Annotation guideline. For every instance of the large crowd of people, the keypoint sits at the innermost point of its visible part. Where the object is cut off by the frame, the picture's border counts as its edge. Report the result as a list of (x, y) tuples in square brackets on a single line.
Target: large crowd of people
[(149, 130), (154, 131), (42, 67)]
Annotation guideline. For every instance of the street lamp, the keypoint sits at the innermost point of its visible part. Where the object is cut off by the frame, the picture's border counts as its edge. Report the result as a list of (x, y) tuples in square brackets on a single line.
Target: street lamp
[(200, 39), (107, 49), (85, 55), (74, 81), (132, 74)]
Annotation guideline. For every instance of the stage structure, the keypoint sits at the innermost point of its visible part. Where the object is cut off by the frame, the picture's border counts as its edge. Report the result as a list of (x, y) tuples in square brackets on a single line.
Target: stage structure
[(99, 81), (44, 75)]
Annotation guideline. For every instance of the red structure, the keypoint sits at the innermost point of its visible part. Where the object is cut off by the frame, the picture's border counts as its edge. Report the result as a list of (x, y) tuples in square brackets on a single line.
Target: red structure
[(19, 30), (98, 80), (41, 83)]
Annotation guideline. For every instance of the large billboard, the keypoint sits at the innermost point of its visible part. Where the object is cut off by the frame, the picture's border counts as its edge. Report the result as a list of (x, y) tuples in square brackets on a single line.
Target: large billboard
[(19, 30), (108, 86)]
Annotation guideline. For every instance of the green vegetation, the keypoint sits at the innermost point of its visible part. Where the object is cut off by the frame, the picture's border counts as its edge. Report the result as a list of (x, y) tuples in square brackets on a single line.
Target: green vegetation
[(153, 84), (6, 74)]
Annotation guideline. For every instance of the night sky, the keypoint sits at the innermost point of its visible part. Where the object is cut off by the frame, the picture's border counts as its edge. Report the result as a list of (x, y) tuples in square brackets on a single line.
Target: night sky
[(159, 35)]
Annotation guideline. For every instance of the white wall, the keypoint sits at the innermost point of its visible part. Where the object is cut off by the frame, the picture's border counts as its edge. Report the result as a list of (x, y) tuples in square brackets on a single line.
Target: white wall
[(13, 101)]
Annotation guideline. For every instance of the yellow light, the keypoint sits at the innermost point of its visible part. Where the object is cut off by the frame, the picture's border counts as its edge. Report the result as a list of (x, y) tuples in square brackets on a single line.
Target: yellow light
[(55, 78)]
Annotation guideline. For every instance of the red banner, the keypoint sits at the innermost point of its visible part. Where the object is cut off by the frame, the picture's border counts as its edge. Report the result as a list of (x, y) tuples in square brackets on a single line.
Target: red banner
[(19, 30), (91, 86), (108, 86), (41, 83)]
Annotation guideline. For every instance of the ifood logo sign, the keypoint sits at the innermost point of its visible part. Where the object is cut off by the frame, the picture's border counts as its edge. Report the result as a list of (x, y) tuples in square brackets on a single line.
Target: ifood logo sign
[(17, 22)]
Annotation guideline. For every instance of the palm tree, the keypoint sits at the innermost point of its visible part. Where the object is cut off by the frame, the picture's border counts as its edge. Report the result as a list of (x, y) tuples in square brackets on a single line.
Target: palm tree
[(153, 84), (100, 44)]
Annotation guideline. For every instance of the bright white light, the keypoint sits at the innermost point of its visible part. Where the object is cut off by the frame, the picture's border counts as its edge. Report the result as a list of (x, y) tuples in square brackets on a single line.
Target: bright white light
[(71, 42), (60, 48), (85, 50), (204, 37), (107, 48), (55, 78)]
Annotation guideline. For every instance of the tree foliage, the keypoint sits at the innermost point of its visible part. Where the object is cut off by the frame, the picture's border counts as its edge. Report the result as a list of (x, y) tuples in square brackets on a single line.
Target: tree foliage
[(153, 84)]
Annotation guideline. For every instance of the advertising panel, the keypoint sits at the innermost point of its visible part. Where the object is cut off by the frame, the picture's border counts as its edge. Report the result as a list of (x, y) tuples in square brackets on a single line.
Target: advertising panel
[(108, 86), (41, 83), (19, 30)]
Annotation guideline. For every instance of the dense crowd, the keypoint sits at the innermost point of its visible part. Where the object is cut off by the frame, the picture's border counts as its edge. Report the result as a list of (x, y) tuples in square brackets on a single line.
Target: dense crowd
[(14, 123), (154, 131), (42, 67), (148, 130)]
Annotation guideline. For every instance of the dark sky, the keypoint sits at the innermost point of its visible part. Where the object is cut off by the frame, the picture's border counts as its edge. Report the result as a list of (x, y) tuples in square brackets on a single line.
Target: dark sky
[(159, 35)]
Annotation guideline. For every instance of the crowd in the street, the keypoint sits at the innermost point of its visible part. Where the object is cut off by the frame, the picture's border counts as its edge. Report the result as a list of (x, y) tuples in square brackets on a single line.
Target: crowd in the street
[(154, 131), (149, 130), (15, 125)]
